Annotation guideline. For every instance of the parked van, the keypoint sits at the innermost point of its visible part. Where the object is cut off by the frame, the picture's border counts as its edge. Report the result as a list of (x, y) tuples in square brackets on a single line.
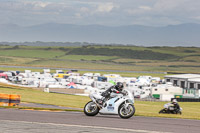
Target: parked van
[(61, 75)]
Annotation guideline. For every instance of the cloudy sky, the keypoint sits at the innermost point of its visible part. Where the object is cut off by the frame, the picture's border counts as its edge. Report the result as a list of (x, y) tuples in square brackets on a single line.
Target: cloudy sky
[(103, 12)]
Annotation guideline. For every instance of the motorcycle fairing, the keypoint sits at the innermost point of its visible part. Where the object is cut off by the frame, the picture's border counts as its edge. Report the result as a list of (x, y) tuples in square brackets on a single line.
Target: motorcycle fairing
[(114, 105), (111, 104), (110, 107)]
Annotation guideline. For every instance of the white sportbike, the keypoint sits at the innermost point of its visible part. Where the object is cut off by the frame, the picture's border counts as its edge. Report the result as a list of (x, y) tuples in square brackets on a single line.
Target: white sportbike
[(121, 104)]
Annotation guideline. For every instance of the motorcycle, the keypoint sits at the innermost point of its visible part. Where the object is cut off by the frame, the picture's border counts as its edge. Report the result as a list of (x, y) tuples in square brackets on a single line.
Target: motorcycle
[(169, 109), (117, 104)]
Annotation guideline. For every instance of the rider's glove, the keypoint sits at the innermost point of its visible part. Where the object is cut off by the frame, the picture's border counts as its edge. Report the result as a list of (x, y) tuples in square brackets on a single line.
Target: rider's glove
[(103, 94)]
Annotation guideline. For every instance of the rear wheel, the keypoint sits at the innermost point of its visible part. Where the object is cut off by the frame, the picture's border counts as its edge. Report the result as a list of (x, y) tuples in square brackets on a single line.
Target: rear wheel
[(91, 109), (126, 112)]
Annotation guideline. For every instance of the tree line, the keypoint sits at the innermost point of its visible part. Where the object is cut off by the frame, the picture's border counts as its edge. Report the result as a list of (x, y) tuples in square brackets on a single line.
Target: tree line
[(124, 53)]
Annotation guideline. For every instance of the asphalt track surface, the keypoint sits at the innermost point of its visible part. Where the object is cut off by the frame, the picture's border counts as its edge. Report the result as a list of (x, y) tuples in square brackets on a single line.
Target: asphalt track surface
[(30, 121)]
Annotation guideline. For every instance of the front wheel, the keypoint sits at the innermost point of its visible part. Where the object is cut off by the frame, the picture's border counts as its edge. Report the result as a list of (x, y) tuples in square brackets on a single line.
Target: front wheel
[(162, 111), (126, 112), (91, 109), (179, 112)]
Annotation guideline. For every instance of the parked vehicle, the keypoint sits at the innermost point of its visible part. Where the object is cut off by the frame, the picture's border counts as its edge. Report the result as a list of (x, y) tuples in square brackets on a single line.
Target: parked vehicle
[(120, 104), (169, 109), (3, 75)]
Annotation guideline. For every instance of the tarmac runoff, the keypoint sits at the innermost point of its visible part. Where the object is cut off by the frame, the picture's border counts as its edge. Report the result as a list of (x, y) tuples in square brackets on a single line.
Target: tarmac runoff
[(46, 106), (32, 127), (18, 121)]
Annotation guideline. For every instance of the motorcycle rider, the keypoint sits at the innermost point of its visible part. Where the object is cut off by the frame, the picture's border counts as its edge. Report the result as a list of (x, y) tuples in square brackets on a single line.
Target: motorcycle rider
[(175, 105), (106, 94)]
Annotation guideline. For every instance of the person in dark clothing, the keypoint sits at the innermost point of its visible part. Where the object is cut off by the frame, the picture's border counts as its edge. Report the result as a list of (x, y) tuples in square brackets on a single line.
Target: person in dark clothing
[(175, 105), (115, 89)]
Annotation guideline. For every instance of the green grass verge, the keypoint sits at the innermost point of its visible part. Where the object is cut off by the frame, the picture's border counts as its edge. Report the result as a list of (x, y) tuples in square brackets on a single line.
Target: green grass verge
[(143, 108), (191, 110), (36, 96), (187, 61), (31, 53)]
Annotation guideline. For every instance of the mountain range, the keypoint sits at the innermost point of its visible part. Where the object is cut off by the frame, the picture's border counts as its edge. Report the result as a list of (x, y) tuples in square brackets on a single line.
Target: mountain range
[(172, 35)]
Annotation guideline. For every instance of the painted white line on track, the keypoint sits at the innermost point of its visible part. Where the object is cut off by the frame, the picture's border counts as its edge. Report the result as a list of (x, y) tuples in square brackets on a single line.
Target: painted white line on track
[(83, 126)]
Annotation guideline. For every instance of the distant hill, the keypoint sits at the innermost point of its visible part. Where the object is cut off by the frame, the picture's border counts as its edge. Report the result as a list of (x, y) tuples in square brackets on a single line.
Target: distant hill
[(172, 35)]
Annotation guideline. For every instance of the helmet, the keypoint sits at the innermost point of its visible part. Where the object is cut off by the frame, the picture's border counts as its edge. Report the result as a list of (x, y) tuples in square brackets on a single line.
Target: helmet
[(174, 101), (119, 86)]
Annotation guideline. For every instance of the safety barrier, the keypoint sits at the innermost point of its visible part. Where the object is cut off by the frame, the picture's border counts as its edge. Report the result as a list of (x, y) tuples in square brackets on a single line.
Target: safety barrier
[(14, 100), (9, 100), (4, 100), (187, 99)]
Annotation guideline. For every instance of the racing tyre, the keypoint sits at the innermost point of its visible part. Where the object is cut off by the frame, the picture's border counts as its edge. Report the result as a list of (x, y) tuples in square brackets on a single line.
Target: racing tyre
[(162, 111), (126, 112), (91, 109), (179, 112)]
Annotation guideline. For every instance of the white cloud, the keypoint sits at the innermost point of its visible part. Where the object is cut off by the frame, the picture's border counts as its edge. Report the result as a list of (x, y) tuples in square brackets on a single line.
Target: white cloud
[(40, 4), (138, 10), (78, 15), (84, 9), (167, 4), (105, 7), (147, 8), (105, 12), (196, 17)]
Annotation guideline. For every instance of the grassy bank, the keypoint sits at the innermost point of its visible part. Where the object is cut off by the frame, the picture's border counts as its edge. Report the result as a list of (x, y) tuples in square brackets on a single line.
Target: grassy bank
[(143, 108), (36, 96), (191, 110), (132, 58)]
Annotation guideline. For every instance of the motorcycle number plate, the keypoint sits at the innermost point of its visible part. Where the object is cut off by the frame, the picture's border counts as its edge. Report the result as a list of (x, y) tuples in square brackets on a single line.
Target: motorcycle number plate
[(110, 108)]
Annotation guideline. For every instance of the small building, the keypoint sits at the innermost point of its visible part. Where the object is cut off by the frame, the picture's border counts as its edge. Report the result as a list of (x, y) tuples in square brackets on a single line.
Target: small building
[(189, 82), (183, 80), (165, 92), (194, 83), (194, 88)]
